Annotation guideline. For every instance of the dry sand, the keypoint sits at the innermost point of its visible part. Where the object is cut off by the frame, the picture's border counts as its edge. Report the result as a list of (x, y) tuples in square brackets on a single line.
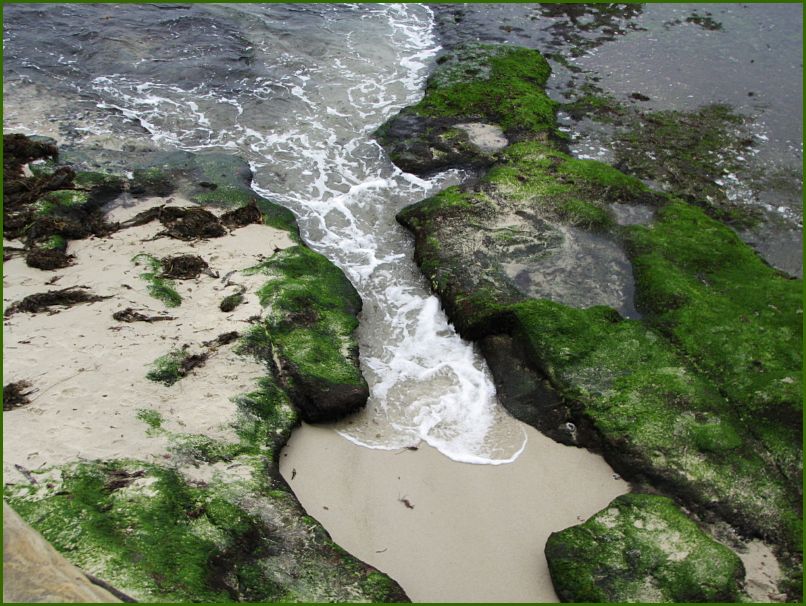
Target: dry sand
[(473, 533), (88, 371)]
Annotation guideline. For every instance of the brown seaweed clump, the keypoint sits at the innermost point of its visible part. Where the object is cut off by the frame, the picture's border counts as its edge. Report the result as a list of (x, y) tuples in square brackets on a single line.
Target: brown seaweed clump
[(44, 301), (183, 267), (191, 223), (129, 315), (243, 216), (48, 258), (16, 395)]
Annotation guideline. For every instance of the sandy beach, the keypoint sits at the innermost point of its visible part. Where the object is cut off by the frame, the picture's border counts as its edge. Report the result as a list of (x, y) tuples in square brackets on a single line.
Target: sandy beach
[(88, 372), (448, 531)]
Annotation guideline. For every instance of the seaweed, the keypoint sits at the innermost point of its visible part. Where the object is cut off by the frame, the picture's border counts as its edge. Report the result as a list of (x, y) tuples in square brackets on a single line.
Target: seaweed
[(66, 297), (16, 394)]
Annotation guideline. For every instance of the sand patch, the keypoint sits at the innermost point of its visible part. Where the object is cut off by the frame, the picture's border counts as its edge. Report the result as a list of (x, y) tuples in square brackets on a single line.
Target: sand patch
[(87, 371), (449, 531)]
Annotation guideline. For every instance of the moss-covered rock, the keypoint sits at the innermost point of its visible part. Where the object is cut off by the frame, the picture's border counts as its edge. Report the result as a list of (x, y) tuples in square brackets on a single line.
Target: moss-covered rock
[(642, 548), (491, 84), (159, 537), (692, 387), (311, 326)]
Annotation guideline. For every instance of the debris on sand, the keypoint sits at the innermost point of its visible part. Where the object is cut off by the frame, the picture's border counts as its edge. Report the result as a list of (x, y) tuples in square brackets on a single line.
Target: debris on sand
[(243, 216), (183, 267), (16, 395), (44, 301), (130, 315)]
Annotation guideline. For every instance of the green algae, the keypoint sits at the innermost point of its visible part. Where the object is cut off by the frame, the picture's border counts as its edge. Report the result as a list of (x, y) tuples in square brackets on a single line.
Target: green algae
[(160, 288), (690, 153), (55, 242), (151, 181), (228, 196), (642, 548), (167, 369), (311, 317), (497, 83), (169, 541), (737, 317), (150, 417), (59, 201)]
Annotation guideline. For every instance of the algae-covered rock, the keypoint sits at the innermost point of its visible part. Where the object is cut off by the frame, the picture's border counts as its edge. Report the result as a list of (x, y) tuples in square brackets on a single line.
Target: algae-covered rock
[(311, 328), (671, 347), (487, 85), (642, 548)]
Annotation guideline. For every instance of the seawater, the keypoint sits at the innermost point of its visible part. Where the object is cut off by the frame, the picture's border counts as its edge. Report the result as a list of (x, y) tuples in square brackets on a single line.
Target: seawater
[(298, 91)]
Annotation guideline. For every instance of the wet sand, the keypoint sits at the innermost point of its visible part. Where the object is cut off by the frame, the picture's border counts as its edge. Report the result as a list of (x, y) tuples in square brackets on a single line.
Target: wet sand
[(449, 531)]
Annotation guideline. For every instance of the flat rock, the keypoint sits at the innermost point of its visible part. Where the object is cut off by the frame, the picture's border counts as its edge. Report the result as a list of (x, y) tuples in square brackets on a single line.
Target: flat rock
[(35, 572)]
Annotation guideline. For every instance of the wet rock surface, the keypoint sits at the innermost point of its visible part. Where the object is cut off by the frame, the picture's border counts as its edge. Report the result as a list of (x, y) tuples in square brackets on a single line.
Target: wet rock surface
[(643, 343)]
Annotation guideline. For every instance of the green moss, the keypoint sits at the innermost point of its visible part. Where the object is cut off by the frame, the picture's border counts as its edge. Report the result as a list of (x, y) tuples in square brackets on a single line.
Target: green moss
[(96, 180), (168, 542), (42, 168), (228, 196), (158, 287), (60, 200), (311, 318), (642, 548), (152, 181), (498, 84), (278, 217), (735, 316), (645, 401), (167, 369), (598, 176), (56, 242), (689, 152), (150, 417), (204, 449)]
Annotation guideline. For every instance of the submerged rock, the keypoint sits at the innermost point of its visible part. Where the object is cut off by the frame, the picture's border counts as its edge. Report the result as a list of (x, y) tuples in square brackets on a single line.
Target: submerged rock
[(642, 548)]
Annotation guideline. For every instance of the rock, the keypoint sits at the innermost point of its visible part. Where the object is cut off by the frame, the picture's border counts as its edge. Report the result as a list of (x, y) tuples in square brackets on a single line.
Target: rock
[(642, 548), (311, 329), (654, 341), (35, 572), (479, 95)]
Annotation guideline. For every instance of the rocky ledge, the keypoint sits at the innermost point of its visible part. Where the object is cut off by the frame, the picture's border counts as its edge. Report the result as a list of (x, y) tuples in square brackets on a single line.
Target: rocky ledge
[(613, 316), (169, 330)]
